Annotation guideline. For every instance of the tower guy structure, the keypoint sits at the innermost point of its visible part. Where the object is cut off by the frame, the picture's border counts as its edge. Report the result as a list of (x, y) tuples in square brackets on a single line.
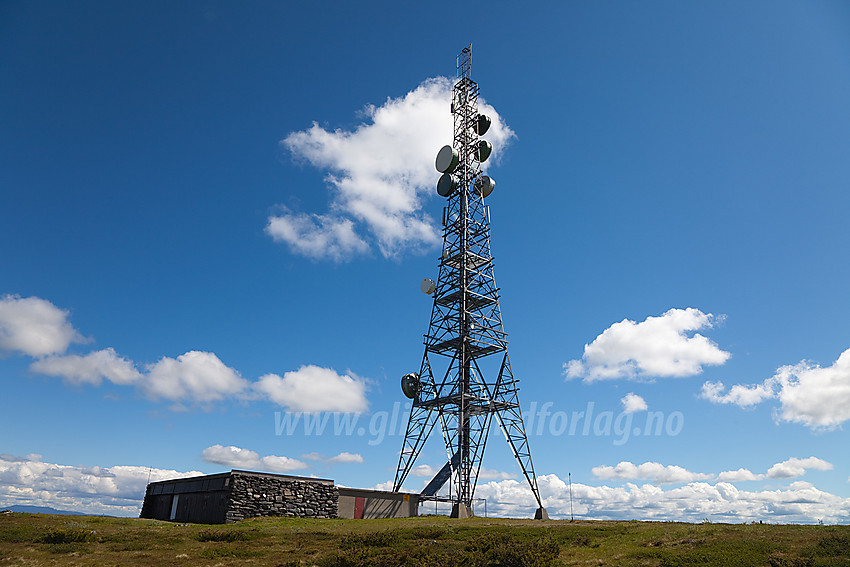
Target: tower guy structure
[(466, 378)]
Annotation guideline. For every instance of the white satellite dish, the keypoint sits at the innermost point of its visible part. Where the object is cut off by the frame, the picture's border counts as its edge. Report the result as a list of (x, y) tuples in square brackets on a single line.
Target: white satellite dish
[(427, 286), (447, 159)]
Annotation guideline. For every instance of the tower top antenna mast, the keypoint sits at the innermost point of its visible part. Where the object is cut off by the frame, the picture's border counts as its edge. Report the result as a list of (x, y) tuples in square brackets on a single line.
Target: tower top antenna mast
[(464, 63)]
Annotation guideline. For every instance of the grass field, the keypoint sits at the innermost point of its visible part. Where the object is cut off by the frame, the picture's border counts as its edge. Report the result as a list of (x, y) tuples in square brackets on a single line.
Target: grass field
[(40, 539)]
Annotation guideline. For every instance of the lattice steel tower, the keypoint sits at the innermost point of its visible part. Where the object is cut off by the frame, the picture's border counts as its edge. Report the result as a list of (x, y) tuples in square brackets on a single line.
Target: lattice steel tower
[(474, 380)]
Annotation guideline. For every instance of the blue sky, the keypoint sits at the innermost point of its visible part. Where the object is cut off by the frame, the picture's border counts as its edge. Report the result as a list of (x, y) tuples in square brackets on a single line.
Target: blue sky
[(213, 213)]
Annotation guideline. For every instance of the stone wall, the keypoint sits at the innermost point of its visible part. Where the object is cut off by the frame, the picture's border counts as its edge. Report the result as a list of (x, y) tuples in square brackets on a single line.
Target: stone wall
[(255, 494)]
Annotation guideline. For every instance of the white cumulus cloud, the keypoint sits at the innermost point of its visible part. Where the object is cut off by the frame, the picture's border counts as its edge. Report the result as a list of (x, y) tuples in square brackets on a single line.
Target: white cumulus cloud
[(238, 458), (693, 502), (117, 490), (744, 396), (795, 467), (314, 389), (739, 475), (490, 474), (34, 326), (89, 369), (201, 377), (379, 174), (426, 471), (656, 472), (674, 474), (815, 396), (317, 236), (633, 403), (657, 347), (195, 376), (386, 486), (38, 328), (344, 457)]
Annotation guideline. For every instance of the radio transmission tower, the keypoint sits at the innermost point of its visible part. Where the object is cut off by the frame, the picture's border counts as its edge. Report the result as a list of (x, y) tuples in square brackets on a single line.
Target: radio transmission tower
[(466, 377)]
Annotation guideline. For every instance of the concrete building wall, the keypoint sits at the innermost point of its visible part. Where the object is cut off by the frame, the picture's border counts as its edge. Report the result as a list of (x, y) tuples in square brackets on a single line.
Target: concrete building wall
[(356, 503)]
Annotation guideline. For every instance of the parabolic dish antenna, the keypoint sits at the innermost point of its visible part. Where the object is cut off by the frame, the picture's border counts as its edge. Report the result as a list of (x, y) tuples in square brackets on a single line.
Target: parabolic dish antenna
[(410, 385), (484, 185), (446, 185), (482, 124), (447, 159), (484, 150), (427, 286)]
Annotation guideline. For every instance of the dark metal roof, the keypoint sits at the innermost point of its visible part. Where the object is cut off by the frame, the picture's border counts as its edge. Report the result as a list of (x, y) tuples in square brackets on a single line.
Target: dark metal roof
[(247, 473)]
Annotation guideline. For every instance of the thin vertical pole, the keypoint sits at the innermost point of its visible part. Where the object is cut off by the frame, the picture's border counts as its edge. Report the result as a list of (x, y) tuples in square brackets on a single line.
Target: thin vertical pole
[(570, 476)]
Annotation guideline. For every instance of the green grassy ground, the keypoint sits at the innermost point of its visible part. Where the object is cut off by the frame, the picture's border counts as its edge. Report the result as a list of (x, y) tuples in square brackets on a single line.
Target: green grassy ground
[(39, 539)]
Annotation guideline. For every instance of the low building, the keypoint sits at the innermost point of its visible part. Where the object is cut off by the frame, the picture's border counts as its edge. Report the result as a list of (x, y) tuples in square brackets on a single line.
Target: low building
[(228, 497), (357, 503), (236, 495)]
